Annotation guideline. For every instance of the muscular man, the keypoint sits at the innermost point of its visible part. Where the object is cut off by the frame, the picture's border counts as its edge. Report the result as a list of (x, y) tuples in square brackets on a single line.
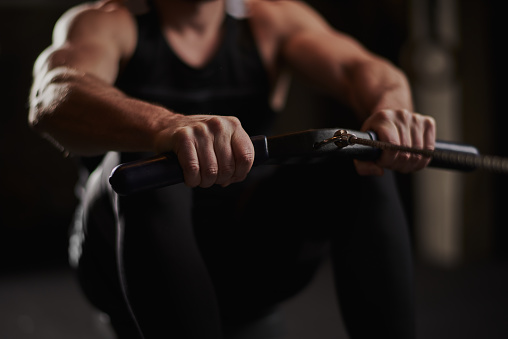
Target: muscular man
[(203, 258)]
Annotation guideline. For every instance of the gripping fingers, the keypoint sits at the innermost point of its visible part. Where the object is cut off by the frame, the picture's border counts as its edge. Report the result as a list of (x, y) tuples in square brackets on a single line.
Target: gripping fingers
[(243, 152), (188, 159), (208, 164), (421, 130), (400, 127), (213, 150), (225, 159), (234, 150), (196, 157)]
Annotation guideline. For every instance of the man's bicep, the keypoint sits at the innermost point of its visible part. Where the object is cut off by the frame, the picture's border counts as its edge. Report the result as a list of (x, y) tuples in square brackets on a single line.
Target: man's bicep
[(87, 39), (86, 58), (324, 57), (313, 55)]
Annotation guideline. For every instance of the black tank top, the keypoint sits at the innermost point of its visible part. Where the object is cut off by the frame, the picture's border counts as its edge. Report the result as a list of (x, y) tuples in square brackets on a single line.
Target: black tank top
[(234, 82)]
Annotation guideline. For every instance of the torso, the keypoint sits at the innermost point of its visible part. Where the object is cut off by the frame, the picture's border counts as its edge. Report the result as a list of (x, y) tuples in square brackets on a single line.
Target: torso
[(233, 81), (266, 38)]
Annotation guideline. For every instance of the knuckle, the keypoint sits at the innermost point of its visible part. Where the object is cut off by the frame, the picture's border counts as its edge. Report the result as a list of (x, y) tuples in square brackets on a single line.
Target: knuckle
[(215, 124), (383, 115), (246, 158), (192, 168), (417, 119), (417, 158), (210, 172), (404, 156), (182, 137), (234, 121), (403, 115), (429, 122), (200, 130), (220, 124), (191, 173)]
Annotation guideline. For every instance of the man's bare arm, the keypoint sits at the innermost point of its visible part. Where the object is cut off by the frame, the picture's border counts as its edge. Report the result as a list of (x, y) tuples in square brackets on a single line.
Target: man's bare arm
[(73, 100), (377, 91), (74, 103)]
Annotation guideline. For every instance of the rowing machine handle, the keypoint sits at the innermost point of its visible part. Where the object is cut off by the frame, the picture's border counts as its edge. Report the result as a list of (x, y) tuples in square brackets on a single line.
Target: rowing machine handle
[(164, 170)]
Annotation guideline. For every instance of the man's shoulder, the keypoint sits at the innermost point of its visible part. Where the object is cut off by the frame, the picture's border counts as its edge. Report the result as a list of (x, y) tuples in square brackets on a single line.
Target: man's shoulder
[(272, 7), (283, 15), (274, 3), (104, 17)]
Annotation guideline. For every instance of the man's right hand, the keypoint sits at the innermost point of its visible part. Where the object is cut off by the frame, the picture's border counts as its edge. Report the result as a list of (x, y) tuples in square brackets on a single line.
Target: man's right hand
[(211, 149)]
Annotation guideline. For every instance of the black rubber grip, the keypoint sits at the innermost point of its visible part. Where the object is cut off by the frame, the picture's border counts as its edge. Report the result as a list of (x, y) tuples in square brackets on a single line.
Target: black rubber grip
[(453, 162)]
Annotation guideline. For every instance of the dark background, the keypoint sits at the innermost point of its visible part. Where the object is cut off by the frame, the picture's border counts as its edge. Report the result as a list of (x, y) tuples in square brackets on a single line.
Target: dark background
[(37, 200)]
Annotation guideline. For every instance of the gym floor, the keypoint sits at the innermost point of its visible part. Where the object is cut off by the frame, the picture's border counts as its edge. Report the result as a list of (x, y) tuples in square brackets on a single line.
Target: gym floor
[(467, 302)]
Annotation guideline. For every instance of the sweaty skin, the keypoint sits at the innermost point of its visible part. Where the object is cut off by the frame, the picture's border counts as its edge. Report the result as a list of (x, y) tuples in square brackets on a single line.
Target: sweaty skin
[(74, 103)]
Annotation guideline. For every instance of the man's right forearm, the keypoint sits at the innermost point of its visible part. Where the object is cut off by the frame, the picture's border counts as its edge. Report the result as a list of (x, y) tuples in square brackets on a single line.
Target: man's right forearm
[(87, 116)]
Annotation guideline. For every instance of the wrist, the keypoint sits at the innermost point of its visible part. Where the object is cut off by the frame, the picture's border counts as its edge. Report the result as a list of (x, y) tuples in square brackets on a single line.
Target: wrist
[(163, 127)]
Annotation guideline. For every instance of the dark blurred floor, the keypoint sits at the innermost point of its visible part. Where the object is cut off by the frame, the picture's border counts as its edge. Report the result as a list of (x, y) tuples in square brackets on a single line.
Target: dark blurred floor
[(47, 305), (469, 302)]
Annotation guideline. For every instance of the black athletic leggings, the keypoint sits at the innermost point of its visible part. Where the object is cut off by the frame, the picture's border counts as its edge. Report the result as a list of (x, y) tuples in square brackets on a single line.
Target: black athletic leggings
[(201, 262)]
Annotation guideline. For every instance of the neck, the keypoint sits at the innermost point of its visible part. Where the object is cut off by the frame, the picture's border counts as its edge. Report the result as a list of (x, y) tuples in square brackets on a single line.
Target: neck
[(198, 15)]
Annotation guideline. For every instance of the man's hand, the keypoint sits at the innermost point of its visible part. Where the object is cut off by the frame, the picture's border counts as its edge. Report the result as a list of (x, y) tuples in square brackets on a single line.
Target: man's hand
[(400, 127), (211, 149)]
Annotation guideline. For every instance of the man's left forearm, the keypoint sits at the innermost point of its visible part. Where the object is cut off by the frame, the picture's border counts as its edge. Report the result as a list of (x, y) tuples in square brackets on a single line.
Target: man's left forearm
[(376, 85)]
